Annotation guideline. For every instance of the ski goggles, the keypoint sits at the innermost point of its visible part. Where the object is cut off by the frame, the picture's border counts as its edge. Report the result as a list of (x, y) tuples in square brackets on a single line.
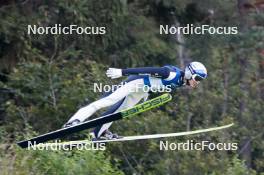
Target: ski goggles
[(197, 77)]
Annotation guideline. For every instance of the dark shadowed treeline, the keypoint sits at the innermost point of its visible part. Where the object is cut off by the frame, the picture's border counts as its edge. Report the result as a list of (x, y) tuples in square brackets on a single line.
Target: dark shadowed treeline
[(44, 79)]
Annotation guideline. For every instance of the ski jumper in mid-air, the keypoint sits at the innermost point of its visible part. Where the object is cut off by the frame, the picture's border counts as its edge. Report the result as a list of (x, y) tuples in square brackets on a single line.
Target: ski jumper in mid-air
[(133, 90)]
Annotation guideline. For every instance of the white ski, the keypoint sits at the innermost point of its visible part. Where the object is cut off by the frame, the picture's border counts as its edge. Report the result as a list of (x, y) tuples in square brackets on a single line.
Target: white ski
[(155, 136), (130, 138)]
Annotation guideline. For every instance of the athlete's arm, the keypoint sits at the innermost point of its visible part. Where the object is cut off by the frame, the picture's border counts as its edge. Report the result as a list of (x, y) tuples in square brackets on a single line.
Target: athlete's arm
[(160, 72)]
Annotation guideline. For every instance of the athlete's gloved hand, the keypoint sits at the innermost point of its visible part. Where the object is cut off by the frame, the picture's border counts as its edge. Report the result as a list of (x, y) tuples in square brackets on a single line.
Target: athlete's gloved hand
[(114, 73)]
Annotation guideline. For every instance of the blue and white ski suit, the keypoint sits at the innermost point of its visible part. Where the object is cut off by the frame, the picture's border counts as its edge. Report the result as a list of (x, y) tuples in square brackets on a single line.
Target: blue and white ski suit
[(140, 82)]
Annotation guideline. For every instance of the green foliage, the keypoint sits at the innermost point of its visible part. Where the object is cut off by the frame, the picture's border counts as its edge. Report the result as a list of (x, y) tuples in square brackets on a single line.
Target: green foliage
[(237, 167), (48, 92), (56, 162), (50, 76)]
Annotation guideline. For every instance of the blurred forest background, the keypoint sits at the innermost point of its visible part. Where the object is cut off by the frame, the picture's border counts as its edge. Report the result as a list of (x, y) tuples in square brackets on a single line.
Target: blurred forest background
[(44, 79)]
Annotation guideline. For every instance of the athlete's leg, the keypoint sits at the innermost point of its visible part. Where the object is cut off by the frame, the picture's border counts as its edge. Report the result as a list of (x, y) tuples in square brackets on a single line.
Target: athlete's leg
[(116, 96), (131, 100)]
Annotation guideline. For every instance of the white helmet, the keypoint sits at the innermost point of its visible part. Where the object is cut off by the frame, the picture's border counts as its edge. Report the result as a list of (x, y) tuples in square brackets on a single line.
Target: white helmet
[(196, 71)]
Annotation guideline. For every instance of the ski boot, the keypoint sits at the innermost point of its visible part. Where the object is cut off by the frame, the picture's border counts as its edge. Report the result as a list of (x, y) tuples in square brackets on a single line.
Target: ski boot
[(107, 135), (72, 123)]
